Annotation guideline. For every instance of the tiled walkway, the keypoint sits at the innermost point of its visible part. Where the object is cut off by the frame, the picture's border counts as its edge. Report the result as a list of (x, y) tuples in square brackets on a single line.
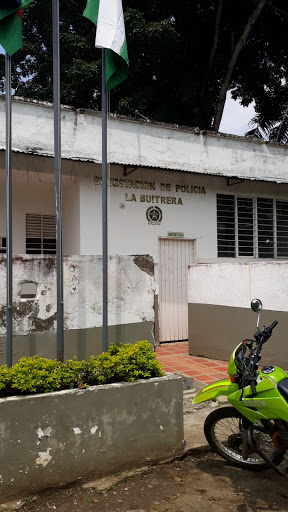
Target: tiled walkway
[(174, 357)]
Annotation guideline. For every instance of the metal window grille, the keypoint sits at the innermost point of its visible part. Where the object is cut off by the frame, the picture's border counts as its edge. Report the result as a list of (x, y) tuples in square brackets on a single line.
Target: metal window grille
[(40, 234), (226, 226), (266, 228), (251, 227), (282, 228), (245, 226), (2, 244)]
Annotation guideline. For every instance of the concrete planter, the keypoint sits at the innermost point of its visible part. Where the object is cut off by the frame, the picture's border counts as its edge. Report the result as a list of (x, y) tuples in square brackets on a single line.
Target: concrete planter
[(49, 440)]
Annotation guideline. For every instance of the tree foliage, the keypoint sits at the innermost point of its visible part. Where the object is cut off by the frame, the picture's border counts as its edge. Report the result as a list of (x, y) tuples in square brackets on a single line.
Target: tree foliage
[(179, 53)]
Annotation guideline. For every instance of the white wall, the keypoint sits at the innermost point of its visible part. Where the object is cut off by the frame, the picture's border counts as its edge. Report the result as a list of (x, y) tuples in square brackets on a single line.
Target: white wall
[(71, 215), (34, 192), (228, 284), (129, 231), (31, 193), (130, 299), (133, 142)]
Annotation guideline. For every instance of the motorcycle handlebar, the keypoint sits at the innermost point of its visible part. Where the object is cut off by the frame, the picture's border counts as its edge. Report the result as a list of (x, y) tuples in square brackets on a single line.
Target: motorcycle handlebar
[(271, 327), (252, 360), (263, 336)]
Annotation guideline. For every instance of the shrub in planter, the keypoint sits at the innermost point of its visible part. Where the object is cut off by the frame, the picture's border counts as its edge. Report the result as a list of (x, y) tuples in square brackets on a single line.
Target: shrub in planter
[(36, 375), (5, 380), (75, 372), (124, 362)]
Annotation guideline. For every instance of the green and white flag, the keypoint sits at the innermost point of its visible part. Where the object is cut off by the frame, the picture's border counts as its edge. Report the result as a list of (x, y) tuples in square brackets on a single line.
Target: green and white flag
[(11, 24), (110, 34)]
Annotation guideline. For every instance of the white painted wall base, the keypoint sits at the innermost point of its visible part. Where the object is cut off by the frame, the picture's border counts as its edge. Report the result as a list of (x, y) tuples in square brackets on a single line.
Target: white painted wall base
[(236, 284), (131, 293)]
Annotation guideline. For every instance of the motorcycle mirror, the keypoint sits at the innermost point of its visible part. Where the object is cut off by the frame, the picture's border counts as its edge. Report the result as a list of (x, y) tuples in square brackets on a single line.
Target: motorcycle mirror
[(256, 305)]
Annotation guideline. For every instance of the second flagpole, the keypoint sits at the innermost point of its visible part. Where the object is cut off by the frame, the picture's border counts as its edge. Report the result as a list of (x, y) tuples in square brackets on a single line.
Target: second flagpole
[(9, 311), (58, 178), (104, 208)]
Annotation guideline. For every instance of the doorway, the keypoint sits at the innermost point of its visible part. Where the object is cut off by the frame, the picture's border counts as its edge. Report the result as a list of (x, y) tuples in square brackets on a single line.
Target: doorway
[(175, 255)]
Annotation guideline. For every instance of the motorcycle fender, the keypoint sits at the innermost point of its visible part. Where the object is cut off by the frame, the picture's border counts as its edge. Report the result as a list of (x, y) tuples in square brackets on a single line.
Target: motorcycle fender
[(220, 388)]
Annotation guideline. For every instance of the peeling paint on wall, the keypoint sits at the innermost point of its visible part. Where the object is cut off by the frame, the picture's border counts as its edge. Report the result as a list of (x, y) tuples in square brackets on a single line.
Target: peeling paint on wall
[(145, 263), (44, 458), (131, 292), (65, 456), (41, 433)]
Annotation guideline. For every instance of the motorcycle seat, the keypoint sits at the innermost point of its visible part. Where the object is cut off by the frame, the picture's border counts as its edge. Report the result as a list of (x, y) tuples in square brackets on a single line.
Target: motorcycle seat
[(283, 388)]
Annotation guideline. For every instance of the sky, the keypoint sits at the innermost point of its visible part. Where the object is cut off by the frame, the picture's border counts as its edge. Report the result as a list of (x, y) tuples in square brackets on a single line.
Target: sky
[(235, 117)]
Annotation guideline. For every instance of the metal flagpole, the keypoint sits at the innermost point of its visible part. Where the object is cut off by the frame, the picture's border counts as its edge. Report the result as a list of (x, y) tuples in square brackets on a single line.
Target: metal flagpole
[(104, 207), (9, 334), (58, 176)]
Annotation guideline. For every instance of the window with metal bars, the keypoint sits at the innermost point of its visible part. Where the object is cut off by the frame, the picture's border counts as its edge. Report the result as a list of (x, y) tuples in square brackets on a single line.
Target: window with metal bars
[(3, 244), (251, 227), (40, 234)]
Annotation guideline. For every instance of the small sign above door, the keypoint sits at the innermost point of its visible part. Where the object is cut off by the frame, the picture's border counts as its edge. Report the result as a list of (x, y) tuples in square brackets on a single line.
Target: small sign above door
[(175, 234)]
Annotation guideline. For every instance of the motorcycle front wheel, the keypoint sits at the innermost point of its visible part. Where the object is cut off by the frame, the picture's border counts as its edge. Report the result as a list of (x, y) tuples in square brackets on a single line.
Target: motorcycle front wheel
[(224, 432)]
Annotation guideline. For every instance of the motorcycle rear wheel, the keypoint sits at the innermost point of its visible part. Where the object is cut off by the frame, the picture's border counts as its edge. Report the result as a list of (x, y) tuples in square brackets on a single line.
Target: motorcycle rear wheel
[(223, 431)]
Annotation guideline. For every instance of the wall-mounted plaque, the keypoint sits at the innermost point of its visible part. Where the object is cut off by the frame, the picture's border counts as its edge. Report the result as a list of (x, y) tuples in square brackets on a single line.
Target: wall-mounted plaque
[(154, 215)]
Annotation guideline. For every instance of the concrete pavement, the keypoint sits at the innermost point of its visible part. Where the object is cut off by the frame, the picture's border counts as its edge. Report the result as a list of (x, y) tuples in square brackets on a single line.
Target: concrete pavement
[(194, 417)]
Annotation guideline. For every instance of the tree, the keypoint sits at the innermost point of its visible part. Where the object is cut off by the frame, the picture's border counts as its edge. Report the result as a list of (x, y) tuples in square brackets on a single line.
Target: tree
[(232, 62), (184, 56)]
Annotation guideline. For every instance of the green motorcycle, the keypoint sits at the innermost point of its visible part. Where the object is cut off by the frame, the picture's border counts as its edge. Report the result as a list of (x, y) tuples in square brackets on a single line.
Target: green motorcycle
[(253, 433)]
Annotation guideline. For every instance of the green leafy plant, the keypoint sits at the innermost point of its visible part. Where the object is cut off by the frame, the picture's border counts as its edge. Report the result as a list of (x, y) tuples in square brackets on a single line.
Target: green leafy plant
[(36, 375), (74, 373), (5, 379), (123, 362), (126, 362)]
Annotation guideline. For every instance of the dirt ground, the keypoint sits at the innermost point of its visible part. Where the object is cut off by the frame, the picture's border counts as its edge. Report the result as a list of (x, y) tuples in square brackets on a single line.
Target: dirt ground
[(198, 483)]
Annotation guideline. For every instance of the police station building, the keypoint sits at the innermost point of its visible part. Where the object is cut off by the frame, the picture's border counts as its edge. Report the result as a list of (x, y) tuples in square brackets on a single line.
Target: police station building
[(197, 226)]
